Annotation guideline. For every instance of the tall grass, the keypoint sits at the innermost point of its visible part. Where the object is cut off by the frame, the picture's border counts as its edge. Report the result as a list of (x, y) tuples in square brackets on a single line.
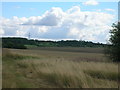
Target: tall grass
[(11, 74), (69, 74), (25, 71)]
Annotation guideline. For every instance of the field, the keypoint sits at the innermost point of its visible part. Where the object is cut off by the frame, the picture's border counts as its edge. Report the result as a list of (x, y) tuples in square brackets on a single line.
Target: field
[(58, 68)]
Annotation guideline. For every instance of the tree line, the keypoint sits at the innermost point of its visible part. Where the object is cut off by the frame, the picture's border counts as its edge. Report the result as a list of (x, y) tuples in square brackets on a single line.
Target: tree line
[(20, 43)]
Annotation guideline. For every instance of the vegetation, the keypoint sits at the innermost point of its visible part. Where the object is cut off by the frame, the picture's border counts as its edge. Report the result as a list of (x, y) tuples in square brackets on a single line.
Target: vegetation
[(57, 69), (113, 50), (17, 43), (23, 43)]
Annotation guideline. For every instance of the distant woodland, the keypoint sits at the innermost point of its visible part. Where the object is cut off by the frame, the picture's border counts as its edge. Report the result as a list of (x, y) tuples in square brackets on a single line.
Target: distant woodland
[(23, 43)]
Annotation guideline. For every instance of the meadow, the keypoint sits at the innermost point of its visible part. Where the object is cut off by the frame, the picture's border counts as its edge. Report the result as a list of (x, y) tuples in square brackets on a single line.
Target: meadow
[(58, 67)]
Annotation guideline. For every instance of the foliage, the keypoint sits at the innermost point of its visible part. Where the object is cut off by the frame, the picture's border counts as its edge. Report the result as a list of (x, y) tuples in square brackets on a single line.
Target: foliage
[(113, 50), (16, 43), (21, 43)]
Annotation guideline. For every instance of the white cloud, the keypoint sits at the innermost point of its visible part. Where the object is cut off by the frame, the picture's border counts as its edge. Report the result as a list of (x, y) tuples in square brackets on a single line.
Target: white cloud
[(74, 9), (43, 29), (90, 2), (57, 24), (49, 18), (111, 10), (1, 31)]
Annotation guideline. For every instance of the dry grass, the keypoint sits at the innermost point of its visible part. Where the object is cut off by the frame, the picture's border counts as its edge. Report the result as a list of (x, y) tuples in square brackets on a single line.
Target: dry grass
[(58, 69), (74, 74), (74, 56)]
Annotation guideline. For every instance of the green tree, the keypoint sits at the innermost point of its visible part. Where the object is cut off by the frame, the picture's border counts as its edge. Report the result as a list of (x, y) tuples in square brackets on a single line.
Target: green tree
[(114, 48)]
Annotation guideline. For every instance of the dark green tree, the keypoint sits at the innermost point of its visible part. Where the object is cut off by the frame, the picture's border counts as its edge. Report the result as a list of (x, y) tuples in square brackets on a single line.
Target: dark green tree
[(114, 47)]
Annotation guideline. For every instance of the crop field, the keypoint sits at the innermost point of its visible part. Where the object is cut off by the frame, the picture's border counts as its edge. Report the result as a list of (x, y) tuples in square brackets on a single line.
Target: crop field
[(58, 67)]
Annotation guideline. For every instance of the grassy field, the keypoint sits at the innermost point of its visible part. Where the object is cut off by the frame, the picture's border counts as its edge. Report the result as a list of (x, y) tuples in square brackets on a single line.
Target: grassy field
[(58, 68)]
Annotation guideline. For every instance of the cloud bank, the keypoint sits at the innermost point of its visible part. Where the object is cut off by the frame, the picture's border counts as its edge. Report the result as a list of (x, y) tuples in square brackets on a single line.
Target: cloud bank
[(56, 24)]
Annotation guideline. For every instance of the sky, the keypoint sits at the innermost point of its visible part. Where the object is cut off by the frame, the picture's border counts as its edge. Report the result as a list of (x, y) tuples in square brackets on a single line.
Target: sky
[(90, 20)]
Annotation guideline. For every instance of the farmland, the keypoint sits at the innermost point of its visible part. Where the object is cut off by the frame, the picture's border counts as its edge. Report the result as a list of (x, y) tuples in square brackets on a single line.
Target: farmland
[(58, 67)]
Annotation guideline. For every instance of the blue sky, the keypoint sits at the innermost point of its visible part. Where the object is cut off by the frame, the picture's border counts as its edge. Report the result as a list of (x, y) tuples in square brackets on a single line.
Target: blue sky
[(59, 14), (27, 9)]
